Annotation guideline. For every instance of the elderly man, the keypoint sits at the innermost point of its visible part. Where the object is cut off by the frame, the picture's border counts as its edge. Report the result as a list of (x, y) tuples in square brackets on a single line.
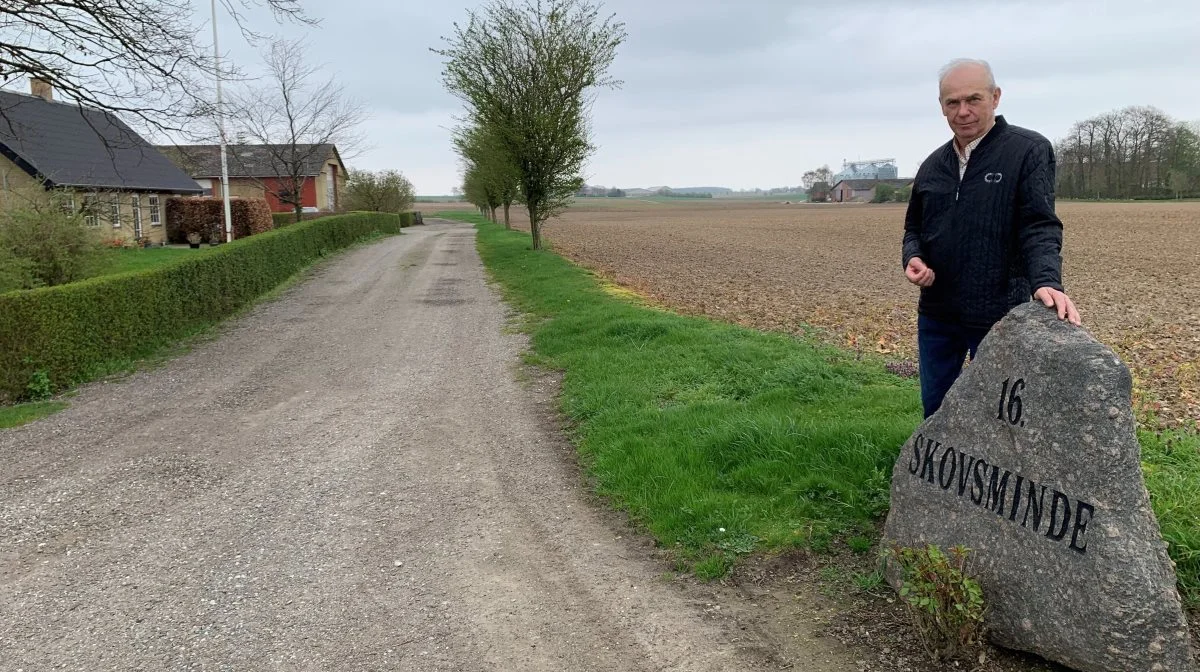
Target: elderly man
[(980, 235)]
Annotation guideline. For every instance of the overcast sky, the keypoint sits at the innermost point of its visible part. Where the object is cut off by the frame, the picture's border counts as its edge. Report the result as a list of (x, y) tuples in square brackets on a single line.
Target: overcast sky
[(753, 93)]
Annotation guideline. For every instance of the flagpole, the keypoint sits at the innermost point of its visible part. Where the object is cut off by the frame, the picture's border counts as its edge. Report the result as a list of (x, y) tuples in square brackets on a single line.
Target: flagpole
[(221, 127)]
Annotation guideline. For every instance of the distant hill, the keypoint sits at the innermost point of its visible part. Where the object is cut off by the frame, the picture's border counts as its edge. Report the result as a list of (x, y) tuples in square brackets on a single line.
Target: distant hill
[(715, 191), (651, 191)]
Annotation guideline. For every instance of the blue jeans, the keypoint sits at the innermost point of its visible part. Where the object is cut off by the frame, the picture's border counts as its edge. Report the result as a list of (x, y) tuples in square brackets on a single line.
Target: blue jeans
[(942, 347)]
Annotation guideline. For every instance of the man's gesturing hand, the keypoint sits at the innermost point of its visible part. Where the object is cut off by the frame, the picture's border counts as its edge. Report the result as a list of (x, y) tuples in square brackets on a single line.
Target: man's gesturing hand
[(918, 273), (1060, 302)]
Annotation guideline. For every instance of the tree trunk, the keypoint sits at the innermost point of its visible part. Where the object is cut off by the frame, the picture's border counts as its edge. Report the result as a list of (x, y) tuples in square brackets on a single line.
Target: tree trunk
[(299, 212), (507, 225), (535, 227), (493, 216)]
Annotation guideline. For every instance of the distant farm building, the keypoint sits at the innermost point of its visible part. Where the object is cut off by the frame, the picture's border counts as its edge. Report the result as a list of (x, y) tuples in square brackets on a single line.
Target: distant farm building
[(873, 169), (861, 191)]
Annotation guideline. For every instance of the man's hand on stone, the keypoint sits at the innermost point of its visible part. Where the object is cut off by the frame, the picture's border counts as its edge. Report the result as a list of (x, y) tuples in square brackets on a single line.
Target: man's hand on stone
[(1053, 298), (918, 273)]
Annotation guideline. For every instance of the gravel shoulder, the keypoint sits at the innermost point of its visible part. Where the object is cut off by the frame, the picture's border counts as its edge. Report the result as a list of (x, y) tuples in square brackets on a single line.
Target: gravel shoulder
[(355, 475)]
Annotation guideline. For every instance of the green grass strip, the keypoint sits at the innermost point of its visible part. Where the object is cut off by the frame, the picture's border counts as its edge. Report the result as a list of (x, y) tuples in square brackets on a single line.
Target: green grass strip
[(20, 414), (719, 439), (1171, 465), (723, 440)]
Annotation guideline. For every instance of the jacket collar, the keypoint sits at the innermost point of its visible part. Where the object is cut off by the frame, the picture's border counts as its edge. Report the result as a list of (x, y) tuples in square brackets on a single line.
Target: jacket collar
[(997, 129)]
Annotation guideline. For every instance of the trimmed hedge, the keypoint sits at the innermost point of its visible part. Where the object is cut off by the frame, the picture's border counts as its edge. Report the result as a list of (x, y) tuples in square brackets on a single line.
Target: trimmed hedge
[(206, 216), (78, 331), (283, 219), (412, 218)]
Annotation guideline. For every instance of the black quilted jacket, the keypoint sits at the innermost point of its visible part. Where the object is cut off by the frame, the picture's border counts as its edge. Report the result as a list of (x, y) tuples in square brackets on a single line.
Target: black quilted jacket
[(992, 239)]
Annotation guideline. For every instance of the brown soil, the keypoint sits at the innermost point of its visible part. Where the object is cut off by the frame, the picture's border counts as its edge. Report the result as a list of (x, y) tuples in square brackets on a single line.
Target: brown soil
[(1133, 270)]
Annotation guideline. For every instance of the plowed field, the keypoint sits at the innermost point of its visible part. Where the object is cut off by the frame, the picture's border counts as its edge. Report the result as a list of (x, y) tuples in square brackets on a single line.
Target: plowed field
[(1133, 269)]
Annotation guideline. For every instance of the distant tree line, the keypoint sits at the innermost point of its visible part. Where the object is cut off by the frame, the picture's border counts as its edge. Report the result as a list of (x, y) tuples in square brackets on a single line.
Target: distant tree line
[(1134, 153), (671, 193), (600, 192)]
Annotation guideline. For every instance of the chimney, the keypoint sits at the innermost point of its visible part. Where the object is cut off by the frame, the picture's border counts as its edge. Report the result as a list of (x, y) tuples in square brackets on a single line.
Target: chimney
[(41, 88)]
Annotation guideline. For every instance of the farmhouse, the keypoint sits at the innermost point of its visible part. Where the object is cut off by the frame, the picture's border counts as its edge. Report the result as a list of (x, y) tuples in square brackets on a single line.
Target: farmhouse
[(861, 191), (264, 171), (97, 163)]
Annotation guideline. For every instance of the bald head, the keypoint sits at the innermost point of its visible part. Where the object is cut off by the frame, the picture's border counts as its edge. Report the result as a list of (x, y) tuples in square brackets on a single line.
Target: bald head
[(969, 96)]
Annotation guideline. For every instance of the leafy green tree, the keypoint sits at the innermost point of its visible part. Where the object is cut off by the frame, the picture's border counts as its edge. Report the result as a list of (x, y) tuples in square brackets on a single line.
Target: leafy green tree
[(477, 189), (45, 244), (527, 74), (490, 162), (884, 193), (382, 191)]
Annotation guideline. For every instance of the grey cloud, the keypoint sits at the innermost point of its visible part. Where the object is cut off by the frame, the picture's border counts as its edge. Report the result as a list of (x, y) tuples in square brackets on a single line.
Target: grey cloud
[(706, 71)]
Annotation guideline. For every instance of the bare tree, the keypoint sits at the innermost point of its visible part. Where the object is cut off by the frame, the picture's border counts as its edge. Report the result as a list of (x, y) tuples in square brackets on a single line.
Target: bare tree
[(817, 183), (294, 118), (527, 74), (142, 59), (811, 177), (1136, 152)]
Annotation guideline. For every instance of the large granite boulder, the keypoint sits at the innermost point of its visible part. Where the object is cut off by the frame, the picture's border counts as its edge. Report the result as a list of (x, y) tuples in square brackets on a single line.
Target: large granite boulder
[(1033, 462)]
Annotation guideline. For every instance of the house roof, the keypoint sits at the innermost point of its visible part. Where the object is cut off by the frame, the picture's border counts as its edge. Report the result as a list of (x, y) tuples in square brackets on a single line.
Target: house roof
[(204, 161), (67, 145), (870, 184)]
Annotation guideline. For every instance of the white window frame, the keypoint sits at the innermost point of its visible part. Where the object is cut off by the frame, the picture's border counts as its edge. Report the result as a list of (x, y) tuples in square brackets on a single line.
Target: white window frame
[(114, 212), (135, 202), (91, 217), (155, 211)]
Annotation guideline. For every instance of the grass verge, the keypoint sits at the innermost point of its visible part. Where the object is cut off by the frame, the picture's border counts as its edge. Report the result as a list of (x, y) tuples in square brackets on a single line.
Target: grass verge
[(723, 440), (20, 414), (719, 439), (1171, 465)]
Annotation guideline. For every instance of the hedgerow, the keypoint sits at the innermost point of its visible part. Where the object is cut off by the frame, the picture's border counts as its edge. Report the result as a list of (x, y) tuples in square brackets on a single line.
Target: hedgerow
[(205, 216), (73, 332)]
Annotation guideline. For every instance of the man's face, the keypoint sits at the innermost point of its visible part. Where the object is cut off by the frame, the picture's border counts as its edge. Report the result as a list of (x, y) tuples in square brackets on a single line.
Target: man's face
[(968, 102)]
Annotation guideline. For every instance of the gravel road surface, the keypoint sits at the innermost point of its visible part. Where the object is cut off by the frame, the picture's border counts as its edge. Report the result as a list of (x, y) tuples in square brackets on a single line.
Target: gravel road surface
[(356, 475)]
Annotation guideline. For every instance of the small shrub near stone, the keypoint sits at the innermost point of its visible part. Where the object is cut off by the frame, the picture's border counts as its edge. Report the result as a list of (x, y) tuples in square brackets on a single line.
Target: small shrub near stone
[(945, 603)]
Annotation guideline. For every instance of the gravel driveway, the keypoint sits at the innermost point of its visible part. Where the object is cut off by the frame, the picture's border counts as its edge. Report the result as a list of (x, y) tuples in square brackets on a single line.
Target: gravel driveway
[(349, 477)]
